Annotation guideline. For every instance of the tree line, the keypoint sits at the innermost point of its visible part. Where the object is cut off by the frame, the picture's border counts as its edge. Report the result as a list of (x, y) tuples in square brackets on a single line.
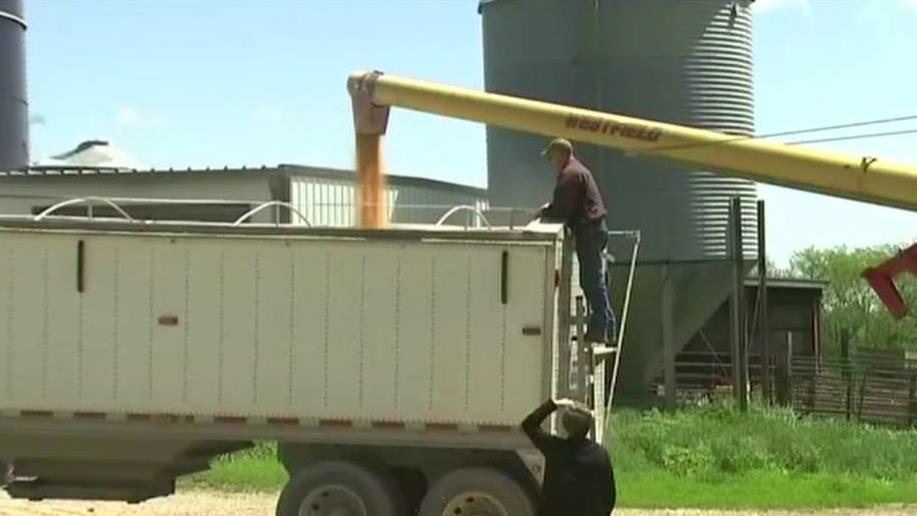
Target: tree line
[(849, 303)]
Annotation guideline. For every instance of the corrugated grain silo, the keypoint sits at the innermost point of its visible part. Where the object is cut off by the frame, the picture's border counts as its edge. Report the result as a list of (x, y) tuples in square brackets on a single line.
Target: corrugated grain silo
[(682, 61), (14, 109)]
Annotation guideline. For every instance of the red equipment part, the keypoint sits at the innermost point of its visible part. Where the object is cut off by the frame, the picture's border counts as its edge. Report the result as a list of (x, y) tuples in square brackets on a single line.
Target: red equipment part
[(882, 279)]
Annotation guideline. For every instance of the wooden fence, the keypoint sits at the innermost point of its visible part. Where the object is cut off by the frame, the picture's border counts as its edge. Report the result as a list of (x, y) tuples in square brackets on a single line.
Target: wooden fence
[(862, 385)]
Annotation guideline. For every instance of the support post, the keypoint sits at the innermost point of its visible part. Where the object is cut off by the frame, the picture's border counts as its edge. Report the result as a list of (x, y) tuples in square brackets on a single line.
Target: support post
[(846, 373), (739, 332), (668, 342), (763, 323), (280, 189), (783, 371), (580, 369), (912, 398)]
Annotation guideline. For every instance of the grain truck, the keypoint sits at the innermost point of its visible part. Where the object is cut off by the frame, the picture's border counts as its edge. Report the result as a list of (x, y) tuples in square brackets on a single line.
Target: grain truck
[(392, 366)]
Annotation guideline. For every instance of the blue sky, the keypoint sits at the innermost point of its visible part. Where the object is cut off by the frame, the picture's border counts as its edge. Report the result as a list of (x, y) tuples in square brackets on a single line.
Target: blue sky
[(179, 83)]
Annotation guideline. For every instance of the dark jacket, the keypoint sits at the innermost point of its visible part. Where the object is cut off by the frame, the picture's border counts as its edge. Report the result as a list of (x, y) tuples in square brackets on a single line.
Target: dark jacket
[(576, 201), (579, 479)]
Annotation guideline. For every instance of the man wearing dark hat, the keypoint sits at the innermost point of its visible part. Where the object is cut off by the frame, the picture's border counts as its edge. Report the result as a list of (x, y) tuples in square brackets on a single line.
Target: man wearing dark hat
[(578, 476), (578, 203)]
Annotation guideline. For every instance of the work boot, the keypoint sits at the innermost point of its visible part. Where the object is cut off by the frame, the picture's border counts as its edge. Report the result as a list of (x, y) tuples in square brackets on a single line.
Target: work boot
[(595, 337)]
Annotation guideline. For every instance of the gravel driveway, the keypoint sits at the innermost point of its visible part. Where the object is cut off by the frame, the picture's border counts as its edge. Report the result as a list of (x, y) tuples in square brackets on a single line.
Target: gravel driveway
[(220, 504)]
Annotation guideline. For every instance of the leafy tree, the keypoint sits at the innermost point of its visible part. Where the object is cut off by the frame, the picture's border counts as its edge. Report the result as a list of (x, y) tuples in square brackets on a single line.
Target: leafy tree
[(850, 303)]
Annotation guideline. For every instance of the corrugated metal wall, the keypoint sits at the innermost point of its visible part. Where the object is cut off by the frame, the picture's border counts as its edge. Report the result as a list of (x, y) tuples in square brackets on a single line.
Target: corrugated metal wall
[(332, 202), (312, 328), (685, 62)]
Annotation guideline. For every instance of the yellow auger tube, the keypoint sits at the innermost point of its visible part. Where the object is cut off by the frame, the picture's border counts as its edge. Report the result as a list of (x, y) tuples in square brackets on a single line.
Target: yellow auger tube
[(861, 178)]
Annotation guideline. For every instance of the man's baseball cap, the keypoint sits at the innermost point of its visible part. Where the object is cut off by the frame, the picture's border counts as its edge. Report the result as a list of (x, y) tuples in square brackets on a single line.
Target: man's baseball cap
[(557, 144), (577, 420)]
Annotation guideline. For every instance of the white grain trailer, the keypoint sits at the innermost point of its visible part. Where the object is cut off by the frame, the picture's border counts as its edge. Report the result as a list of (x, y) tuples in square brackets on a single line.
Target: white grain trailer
[(391, 366)]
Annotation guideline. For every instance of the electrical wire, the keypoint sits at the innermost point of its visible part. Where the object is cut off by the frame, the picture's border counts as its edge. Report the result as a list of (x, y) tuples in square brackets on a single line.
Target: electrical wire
[(840, 126), (855, 137), (834, 127)]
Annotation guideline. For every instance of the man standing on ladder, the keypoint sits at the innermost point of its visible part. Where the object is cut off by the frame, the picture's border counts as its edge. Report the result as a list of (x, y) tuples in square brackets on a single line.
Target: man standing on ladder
[(578, 204)]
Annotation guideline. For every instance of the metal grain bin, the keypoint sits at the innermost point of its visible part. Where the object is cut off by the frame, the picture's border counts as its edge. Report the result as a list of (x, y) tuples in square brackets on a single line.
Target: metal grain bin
[(686, 62), (14, 110)]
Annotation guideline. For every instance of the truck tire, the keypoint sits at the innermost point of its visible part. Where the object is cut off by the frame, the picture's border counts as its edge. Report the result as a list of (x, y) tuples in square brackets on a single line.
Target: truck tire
[(477, 491), (339, 488)]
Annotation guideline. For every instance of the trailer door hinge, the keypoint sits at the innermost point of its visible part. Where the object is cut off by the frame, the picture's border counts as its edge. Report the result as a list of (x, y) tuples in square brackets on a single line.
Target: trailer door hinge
[(531, 331)]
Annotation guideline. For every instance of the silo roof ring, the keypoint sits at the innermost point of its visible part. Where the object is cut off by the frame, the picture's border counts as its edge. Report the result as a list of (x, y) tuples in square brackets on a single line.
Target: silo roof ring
[(15, 19)]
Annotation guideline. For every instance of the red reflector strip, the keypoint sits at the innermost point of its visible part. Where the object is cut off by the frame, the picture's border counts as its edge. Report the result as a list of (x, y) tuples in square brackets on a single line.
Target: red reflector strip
[(156, 418), (497, 428), (335, 423), (556, 277), (89, 415), (450, 427), (233, 420), (282, 421), (36, 413), (388, 424)]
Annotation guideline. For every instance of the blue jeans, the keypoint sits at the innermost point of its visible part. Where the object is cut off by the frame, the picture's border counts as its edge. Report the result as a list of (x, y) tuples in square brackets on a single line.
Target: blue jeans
[(590, 246)]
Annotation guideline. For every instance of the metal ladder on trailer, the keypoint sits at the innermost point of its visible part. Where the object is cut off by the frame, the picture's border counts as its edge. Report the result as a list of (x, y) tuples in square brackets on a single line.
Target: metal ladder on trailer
[(589, 363)]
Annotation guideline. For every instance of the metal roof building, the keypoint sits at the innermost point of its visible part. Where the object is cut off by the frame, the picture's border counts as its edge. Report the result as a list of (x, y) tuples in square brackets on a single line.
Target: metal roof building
[(324, 196), (794, 308)]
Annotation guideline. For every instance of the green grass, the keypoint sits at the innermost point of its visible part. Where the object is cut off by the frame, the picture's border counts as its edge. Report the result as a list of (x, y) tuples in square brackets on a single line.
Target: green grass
[(709, 457), (256, 469), (712, 456), (715, 441), (656, 489)]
